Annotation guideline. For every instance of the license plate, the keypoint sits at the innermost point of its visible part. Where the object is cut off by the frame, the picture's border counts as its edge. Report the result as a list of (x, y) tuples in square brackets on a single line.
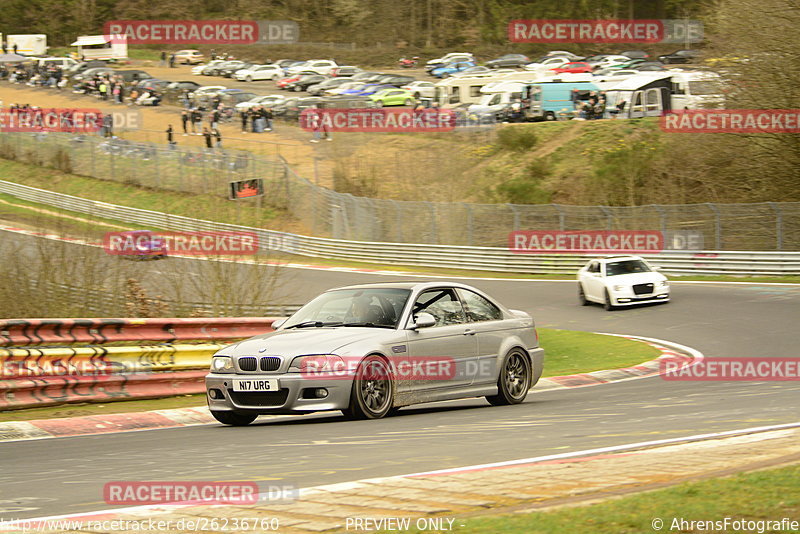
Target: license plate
[(263, 384)]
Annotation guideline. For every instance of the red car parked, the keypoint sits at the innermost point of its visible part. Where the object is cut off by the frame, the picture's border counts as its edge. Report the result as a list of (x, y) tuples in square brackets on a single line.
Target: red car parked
[(573, 67), (283, 82)]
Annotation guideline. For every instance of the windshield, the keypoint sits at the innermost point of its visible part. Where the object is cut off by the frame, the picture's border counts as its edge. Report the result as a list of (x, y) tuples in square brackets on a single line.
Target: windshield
[(374, 307), (626, 267)]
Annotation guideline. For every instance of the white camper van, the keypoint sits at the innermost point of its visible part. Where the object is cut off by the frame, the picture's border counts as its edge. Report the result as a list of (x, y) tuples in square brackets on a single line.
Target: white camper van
[(27, 45), (696, 90), (463, 90), (102, 47)]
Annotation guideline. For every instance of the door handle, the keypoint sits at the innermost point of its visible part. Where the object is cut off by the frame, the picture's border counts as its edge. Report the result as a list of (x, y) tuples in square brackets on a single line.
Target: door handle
[(469, 332)]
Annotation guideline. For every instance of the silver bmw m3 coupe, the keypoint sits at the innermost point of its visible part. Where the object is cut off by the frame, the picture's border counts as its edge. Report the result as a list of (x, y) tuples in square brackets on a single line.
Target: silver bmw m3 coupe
[(368, 350)]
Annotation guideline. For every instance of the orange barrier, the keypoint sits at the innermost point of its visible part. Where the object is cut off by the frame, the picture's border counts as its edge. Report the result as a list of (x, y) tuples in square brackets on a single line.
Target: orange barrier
[(24, 332)]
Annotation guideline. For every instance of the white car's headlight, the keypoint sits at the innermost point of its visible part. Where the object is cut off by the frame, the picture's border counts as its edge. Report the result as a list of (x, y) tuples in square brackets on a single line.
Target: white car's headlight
[(618, 288), (664, 283), (221, 364), (318, 363)]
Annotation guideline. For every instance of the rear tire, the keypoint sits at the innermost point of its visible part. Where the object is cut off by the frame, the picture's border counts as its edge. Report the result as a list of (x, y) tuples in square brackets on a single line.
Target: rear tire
[(514, 380), (379, 104), (582, 296), (234, 418), (607, 302), (248, 78), (549, 116), (409, 102), (372, 395)]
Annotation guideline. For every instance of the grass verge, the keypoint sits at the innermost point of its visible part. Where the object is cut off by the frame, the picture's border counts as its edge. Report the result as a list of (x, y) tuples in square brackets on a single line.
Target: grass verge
[(768, 495), (567, 352)]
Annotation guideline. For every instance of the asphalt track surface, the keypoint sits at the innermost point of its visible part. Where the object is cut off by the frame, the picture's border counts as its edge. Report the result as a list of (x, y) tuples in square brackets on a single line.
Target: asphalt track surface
[(66, 475)]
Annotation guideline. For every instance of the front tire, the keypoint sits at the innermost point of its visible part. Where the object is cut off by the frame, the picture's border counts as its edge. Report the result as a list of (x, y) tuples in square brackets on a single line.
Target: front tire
[(582, 296), (372, 395), (409, 102), (234, 418), (514, 380), (248, 78), (550, 116), (607, 305)]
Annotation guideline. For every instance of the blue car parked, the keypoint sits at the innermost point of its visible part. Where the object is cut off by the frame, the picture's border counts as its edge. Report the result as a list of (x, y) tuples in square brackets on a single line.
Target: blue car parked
[(451, 68)]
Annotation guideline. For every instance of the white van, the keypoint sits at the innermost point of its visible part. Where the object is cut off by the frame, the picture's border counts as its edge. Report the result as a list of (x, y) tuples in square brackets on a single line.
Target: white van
[(696, 90), (460, 90)]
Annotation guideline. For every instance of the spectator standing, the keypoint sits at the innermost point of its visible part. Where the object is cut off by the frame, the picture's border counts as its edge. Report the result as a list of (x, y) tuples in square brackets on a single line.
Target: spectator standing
[(163, 59), (184, 121), (170, 137), (207, 135), (172, 61), (214, 119), (218, 137), (15, 48), (243, 115), (313, 123), (197, 120), (268, 115)]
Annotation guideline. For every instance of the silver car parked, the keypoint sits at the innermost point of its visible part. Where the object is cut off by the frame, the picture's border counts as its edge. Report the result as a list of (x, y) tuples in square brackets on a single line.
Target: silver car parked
[(370, 349)]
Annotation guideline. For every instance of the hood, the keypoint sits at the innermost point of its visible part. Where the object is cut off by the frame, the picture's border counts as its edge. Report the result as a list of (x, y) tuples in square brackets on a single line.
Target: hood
[(304, 341), (636, 278)]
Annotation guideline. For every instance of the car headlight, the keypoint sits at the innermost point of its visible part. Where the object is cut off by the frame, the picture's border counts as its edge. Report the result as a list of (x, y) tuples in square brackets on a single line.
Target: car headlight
[(664, 283), (618, 288), (221, 364), (318, 363)]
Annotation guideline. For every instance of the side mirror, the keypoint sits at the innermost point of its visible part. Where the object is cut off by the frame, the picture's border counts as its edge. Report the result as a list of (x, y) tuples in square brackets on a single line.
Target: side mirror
[(423, 320), (278, 323)]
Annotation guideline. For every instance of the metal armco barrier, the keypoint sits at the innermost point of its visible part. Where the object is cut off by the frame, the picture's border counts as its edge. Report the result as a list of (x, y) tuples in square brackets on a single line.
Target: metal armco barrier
[(20, 332), (51, 391), (422, 255), (32, 376), (74, 361)]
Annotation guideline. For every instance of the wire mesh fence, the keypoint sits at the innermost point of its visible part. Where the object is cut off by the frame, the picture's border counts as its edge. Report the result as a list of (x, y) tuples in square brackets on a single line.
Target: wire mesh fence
[(326, 213)]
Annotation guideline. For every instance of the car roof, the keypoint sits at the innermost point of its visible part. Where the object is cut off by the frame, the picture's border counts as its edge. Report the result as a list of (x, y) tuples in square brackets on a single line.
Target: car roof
[(609, 259), (405, 285)]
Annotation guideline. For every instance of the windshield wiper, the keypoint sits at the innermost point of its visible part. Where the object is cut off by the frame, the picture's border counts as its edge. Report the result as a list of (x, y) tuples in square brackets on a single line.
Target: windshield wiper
[(371, 325), (315, 324)]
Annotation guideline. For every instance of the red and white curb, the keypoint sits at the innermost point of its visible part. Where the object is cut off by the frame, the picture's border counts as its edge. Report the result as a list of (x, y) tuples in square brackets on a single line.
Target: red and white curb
[(180, 417)]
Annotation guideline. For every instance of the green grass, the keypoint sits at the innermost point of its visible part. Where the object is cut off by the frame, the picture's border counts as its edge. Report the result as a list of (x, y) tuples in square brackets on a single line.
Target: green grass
[(197, 205), (763, 495), (568, 352)]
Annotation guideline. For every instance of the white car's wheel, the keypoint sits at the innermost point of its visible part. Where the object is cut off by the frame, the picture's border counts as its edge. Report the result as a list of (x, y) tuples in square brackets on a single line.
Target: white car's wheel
[(248, 78), (607, 302), (582, 296)]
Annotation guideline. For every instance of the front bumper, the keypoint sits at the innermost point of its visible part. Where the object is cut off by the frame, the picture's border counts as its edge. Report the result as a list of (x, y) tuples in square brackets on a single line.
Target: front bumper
[(625, 299), (290, 398)]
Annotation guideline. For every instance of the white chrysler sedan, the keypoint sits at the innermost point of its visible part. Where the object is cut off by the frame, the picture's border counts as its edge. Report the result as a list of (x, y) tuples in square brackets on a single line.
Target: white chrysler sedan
[(621, 281), (368, 350)]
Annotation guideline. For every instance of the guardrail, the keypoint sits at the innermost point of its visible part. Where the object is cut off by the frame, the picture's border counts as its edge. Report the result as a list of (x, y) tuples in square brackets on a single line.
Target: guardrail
[(23, 332), (49, 376), (421, 255)]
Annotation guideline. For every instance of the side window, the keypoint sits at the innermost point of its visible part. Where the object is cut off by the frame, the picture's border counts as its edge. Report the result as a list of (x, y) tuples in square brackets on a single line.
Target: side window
[(442, 304), (594, 267), (478, 308)]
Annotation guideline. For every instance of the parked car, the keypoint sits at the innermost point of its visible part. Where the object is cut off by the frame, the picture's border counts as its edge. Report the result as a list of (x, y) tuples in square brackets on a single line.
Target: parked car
[(84, 65), (189, 57), (284, 82), (635, 54), (621, 281), (286, 63), (303, 82), (260, 72), (183, 86), (393, 97), (153, 84), (133, 75), (508, 60), (573, 67), (215, 70), (421, 89), (369, 350), (547, 64), (291, 109), (345, 71), (647, 66), (197, 70), (372, 88), (607, 60), (479, 69), (319, 66), (395, 79), (330, 83), (363, 76), (680, 56), (91, 73), (451, 68), (228, 70), (346, 87), (448, 58), (266, 101)]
